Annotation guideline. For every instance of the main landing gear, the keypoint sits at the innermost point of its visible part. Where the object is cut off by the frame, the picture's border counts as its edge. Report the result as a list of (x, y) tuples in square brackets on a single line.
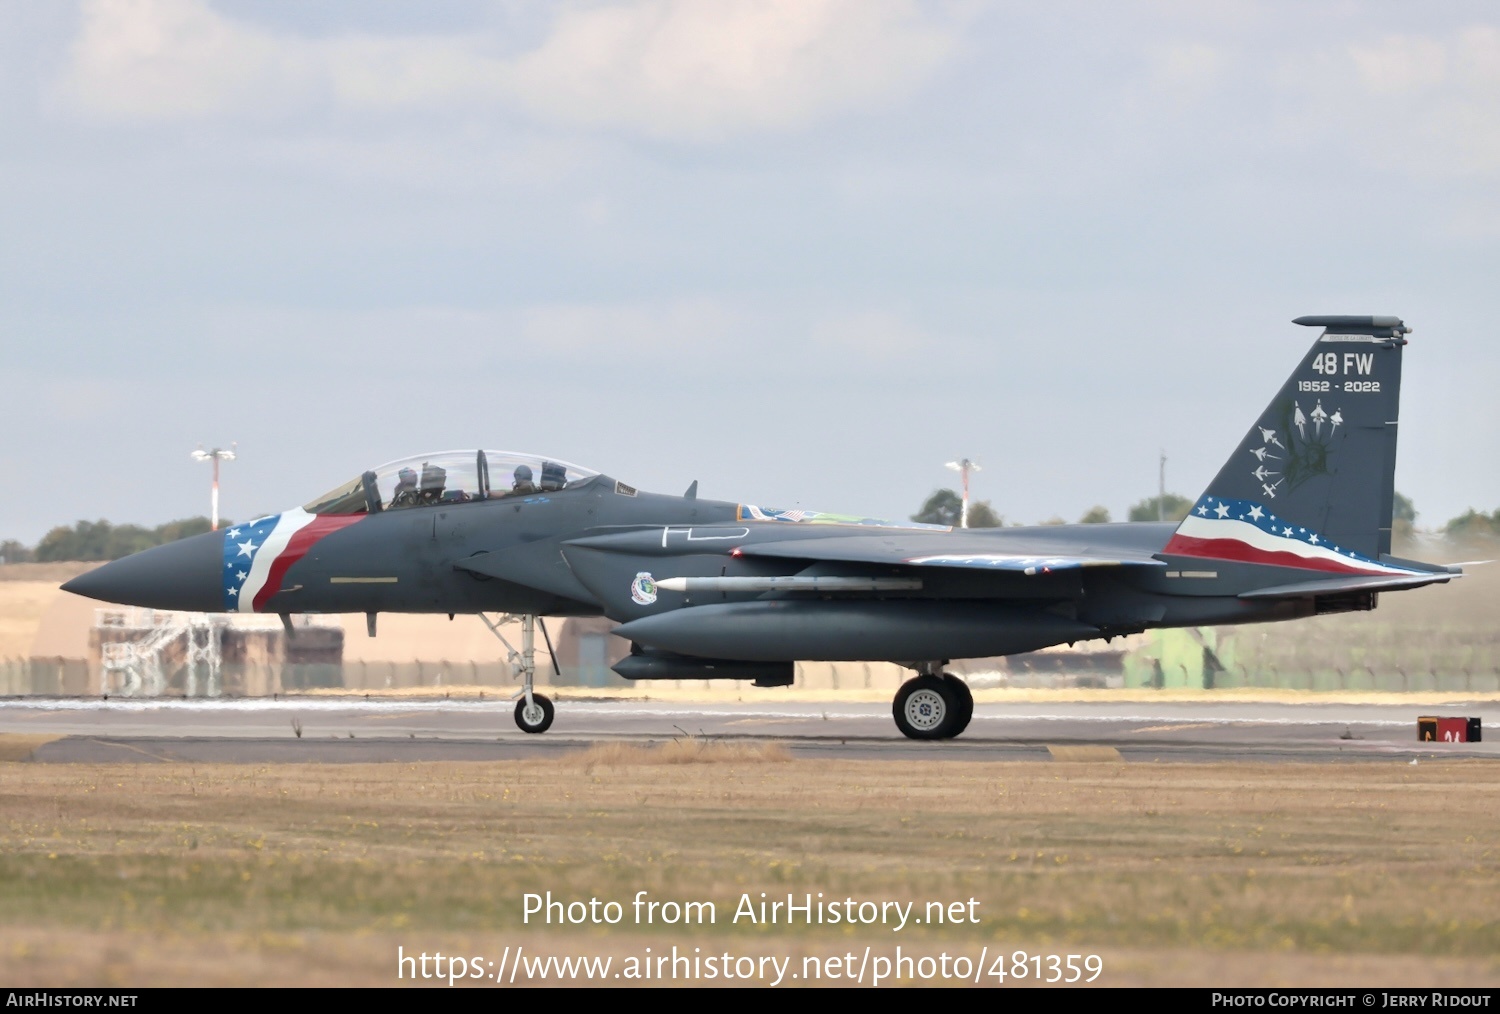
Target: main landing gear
[(933, 705), (534, 711)]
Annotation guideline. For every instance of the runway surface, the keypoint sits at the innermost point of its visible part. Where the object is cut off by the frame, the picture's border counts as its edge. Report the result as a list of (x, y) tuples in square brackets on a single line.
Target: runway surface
[(344, 731)]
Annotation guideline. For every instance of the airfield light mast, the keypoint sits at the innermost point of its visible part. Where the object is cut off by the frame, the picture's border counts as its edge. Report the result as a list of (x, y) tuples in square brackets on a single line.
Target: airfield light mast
[(1161, 488), (964, 466), (216, 455)]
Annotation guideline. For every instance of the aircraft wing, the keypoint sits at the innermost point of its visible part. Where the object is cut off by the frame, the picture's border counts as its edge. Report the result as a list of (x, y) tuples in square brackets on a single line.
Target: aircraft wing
[(920, 551), (989, 563)]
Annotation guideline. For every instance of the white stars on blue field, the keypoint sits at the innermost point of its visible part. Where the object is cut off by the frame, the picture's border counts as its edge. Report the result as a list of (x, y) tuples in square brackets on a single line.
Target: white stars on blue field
[(241, 544), (1212, 508)]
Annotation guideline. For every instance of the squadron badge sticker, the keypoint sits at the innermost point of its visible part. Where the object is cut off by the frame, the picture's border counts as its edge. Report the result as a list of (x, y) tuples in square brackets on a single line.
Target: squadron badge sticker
[(643, 589)]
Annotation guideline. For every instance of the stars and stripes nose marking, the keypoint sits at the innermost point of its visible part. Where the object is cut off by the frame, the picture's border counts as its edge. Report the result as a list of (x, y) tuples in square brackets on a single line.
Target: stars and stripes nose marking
[(258, 555)]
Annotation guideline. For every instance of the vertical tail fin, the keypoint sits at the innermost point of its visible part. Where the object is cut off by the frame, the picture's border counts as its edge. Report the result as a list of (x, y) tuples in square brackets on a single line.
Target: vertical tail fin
[(1312, 485)]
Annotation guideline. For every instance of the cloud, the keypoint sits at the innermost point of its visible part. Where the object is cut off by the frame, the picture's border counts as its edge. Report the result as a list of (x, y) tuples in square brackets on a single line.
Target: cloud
[(66, 400), (692, 334), (176, 59), (1400, 63), (691, 328), (663, 68), (1187, 64), (687, 332), (673, 67), (879, 336), (1425, 104)]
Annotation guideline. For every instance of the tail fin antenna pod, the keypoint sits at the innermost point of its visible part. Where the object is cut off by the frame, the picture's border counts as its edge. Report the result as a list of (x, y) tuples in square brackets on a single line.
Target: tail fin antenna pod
[(1312, 484)]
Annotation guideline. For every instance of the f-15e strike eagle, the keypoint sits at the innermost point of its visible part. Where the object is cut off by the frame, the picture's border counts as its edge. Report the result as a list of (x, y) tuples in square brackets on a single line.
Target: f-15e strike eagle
[(1297, 523)]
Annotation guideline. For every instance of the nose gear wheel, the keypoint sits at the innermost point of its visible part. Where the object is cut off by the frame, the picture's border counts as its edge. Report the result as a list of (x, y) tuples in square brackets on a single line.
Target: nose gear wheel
[(534, 715)]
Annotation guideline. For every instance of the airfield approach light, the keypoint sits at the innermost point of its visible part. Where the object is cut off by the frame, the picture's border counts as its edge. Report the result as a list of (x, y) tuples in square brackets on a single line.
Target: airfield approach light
[(964, 466), (1161, 488), (216, 455)]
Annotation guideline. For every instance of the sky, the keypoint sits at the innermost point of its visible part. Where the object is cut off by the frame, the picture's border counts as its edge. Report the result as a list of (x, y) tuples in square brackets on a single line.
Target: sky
[(802, 251)]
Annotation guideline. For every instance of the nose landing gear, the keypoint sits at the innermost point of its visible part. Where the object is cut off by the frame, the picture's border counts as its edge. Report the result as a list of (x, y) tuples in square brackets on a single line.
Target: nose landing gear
[(933, 704), (534, 711)]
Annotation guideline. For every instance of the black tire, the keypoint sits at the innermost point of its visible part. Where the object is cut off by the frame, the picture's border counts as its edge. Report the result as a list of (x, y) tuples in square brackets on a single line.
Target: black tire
[(927, 707), (542, 705), (966, 701)]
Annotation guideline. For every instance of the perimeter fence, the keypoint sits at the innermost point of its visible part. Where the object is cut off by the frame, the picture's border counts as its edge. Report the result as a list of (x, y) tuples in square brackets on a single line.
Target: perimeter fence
[(1174, 661), (73, 677)]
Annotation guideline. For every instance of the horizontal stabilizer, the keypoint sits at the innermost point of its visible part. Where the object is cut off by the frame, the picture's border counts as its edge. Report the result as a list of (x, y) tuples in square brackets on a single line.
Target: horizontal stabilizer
[(1337, 585)]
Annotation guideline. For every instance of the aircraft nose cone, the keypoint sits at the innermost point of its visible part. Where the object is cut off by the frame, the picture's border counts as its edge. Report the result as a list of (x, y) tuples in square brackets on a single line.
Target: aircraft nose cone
[(179, 575)]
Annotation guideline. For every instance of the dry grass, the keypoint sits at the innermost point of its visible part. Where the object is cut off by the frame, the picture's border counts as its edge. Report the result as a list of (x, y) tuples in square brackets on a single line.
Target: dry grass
[(685, 750), (1085, 754), (15, 746), (1268, 873)]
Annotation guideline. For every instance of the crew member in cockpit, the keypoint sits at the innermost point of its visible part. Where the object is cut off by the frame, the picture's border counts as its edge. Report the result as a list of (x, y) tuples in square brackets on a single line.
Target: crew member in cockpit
[(523, 483), (405, 493)]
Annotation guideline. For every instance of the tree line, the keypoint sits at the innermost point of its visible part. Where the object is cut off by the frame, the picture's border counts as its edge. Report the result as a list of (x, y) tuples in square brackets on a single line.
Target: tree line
[(99, 540), (944, 507)]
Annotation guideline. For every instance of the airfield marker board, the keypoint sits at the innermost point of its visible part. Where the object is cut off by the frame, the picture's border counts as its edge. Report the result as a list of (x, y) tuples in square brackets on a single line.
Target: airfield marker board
[(1434, 729)]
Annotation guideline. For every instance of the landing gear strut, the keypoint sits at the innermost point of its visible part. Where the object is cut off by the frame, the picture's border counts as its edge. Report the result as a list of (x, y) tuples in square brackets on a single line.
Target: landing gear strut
[(933, 704), (534, 711)]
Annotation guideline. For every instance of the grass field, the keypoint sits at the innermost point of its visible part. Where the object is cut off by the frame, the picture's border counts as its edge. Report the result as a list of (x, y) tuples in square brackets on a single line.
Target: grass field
[(1355, 874)]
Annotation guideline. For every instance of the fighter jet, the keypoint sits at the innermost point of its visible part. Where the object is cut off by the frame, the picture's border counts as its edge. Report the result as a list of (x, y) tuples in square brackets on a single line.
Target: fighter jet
[(710, 589)]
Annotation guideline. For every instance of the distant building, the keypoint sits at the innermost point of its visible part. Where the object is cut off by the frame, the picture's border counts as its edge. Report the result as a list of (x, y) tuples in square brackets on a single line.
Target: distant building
[(154, 653)]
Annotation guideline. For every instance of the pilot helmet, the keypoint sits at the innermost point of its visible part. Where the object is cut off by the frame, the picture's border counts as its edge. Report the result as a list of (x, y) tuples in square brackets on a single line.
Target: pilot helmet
[(407, 475), (523, 473)]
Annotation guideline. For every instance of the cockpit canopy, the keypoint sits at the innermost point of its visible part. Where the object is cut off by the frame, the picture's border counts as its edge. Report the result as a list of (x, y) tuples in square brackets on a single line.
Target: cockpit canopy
[(448, 477)]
